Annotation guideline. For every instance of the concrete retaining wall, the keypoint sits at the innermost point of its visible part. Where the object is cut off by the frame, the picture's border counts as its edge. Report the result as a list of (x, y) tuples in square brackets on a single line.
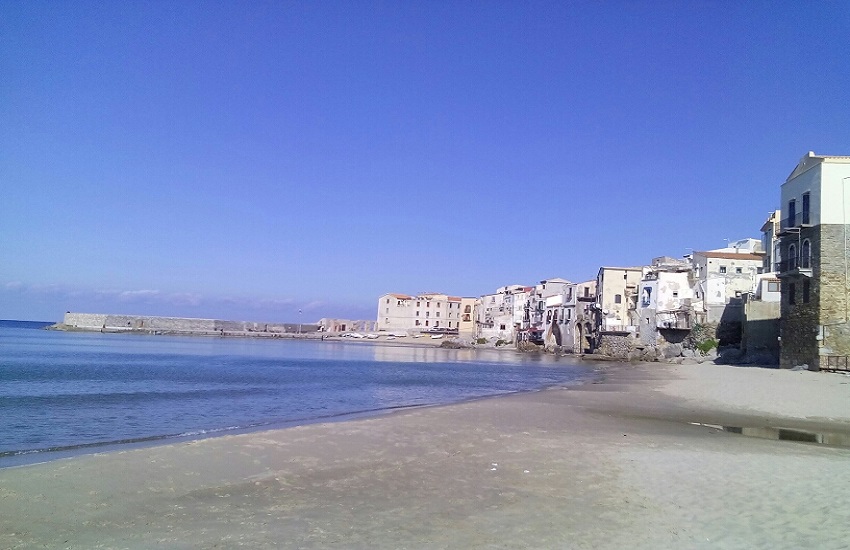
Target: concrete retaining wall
[(143, 323)]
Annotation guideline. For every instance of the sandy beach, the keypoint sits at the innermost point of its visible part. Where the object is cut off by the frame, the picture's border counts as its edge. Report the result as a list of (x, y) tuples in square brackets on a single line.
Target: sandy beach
[(634, 461)]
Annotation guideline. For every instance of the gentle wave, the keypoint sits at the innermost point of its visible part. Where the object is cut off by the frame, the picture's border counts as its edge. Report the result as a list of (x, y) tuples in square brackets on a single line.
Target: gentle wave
[(73, 393)]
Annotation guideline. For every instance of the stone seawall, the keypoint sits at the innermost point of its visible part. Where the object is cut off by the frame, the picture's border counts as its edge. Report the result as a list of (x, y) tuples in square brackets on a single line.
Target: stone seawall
[(175, 325)]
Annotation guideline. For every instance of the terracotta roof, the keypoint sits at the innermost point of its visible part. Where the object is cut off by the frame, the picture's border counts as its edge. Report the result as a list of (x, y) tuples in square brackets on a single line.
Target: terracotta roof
[(732, 256), (401, 296), (454, 299)]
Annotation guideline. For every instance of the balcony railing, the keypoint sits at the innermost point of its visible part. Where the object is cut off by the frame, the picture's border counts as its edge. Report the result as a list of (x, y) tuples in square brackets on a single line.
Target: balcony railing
[(803, 219), (799, 265), (676, 320)]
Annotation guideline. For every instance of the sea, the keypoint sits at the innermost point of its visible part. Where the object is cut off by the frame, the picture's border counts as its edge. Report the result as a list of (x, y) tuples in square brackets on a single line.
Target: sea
[(70, 393)]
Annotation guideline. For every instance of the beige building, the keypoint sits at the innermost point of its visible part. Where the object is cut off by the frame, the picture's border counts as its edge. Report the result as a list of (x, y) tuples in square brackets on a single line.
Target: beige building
[(616, 299), (426, 312), (813, 268)]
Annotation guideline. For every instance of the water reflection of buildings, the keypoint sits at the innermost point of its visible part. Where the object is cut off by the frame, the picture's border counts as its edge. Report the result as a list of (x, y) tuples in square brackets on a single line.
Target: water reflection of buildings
[(424, 354)]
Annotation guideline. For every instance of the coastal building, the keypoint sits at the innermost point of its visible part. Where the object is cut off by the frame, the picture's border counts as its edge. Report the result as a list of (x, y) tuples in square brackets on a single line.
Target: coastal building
[(500, 315), (545, 301), (720, 279), (770, 241), (813, 268), (615, 318), (569, 317), (665, 303), (426, 312), (467, 316)]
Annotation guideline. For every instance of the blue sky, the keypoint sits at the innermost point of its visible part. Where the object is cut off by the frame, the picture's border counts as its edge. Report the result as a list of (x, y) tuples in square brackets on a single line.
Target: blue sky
[(245, 160)]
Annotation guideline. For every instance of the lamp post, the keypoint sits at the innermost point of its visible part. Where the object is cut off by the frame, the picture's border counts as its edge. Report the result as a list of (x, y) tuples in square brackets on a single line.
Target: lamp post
[(299, 321)]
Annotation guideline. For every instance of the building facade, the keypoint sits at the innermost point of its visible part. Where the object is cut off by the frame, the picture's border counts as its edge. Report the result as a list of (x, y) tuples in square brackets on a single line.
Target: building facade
[(615, 310), (501, 315), (813, 264), (720, 281), (665, 303), (427, 312)]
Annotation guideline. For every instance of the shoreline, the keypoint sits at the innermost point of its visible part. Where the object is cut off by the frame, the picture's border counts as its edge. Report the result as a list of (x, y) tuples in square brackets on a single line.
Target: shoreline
[(31, 457), (609, 464)]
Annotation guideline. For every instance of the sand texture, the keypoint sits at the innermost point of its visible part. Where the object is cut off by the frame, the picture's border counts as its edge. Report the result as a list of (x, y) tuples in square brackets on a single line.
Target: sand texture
[(614, 464)]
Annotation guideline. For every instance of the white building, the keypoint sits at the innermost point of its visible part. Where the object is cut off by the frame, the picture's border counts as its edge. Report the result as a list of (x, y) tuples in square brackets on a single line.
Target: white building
[(720, 279), (500, 315), (665, 302)]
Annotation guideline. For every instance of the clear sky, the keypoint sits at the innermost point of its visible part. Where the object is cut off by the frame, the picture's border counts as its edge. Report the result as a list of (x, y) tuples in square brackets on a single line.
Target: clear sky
[(244, 160)]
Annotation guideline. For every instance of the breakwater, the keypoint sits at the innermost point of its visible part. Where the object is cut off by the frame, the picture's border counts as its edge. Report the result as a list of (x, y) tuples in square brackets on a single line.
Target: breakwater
[(108, 322)]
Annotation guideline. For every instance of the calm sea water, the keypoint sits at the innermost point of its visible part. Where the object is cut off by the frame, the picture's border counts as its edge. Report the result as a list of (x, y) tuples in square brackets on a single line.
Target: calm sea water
[(70, 393)]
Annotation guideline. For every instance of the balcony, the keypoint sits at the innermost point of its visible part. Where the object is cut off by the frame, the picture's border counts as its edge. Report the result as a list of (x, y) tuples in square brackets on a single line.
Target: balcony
[(789, 224), (795, 267), (674, 320)]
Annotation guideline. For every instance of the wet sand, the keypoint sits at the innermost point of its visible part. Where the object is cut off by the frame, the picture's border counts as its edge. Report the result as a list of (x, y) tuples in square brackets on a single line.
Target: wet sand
[(614, 464)]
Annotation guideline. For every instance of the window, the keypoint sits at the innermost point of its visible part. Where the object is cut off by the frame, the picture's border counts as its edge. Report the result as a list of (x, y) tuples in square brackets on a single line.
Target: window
[(466, 317), (568, 314), (806, 218), (388, 310), (675, 294), (792, 213), (806, 290), (549, 316), (806, 254), (618, 299), (467, 309), (501, 327), (722, 269), (438, 314), (773, 287), (739, 270), (792, 293), (450, 324), (417, 314), (417, 304), (388, 300), (427, 304), (792, 256), (427, 314), (417, 322), (438, 304)]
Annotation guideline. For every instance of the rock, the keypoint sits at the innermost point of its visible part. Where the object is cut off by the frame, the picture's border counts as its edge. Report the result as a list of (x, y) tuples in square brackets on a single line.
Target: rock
[(672, 350)]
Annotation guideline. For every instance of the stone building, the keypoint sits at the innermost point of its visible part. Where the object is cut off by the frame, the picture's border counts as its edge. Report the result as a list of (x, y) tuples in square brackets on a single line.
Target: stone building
[(813, 266), (569, 317)]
